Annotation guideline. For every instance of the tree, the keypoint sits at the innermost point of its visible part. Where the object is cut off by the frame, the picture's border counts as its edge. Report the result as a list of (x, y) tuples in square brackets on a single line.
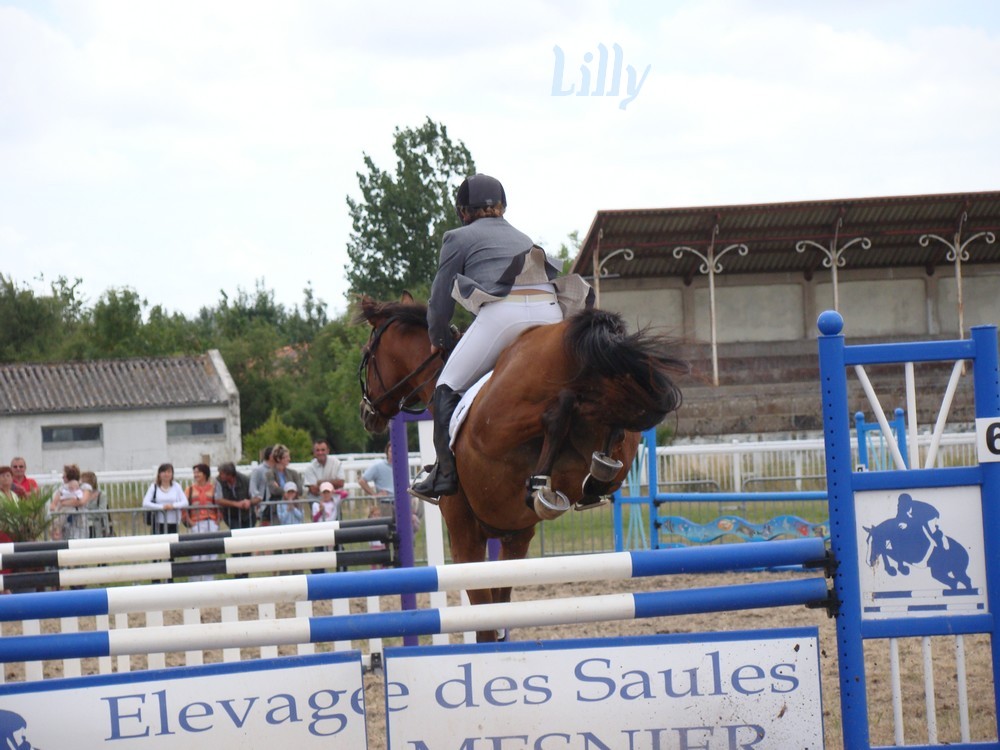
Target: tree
[(568, 253), (116, 325), (401, 218), (36, 326), (275, 431), (341, 388)]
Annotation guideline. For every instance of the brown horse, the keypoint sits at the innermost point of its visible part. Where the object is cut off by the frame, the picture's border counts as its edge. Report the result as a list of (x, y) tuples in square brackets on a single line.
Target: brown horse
[(556, 425)]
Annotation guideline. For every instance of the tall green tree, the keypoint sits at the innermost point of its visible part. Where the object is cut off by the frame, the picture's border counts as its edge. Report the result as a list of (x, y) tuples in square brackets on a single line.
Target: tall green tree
[(36, 326), (403, 214)]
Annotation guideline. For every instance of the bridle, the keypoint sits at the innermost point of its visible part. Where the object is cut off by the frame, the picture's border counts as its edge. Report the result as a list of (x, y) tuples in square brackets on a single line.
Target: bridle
[(409, 402)]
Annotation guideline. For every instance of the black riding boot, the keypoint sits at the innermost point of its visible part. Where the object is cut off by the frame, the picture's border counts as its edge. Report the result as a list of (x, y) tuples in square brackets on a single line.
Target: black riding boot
[(442, 479)]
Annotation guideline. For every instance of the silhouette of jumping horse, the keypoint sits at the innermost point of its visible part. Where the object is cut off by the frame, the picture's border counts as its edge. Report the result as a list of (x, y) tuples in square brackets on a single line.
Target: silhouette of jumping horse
[(556, 425), (907, 539)]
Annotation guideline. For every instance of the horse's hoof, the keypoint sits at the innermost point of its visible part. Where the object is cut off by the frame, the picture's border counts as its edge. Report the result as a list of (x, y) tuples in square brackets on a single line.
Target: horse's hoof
[(592, 487), (592, 501), (604, 468), (549, 503)]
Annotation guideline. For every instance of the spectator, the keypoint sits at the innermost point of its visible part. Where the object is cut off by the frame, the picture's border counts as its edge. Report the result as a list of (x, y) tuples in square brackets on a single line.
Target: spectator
[(258, 487), (7, 484), (277, 477), (232, 492), (23, 484), (289, 510), (6, 493), (201, 515), (322, 468), (377, 482), (95, 507), (165, 498), (327, 508), (65, 505)]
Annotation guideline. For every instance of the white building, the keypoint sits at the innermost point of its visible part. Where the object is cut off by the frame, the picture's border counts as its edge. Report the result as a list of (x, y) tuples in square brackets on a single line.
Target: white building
[(120, 414)]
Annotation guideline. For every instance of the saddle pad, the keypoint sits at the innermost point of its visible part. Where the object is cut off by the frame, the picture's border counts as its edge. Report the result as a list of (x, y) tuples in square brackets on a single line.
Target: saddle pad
[(463, 408)]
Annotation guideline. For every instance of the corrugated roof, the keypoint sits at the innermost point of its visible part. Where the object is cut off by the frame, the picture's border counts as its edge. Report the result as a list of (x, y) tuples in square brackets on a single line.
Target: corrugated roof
[(771, 231), (37, 388)]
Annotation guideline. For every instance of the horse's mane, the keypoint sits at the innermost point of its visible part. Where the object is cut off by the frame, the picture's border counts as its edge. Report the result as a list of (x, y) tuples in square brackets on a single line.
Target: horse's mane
[(640, 365), (407, 313)]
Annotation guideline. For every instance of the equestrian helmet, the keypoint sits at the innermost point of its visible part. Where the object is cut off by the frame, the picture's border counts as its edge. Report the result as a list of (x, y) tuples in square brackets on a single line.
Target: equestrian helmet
[(480, 191)]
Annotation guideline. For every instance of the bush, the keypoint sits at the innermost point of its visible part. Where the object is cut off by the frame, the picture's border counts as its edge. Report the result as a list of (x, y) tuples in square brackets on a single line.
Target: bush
[(275, 431), (24, 519)]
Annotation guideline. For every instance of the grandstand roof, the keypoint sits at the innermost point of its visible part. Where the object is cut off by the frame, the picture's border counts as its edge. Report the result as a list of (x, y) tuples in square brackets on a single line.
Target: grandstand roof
[(896, 228)]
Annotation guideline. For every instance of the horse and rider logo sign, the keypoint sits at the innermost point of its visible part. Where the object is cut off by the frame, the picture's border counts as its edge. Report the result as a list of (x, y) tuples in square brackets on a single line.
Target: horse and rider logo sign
[(921, 552)]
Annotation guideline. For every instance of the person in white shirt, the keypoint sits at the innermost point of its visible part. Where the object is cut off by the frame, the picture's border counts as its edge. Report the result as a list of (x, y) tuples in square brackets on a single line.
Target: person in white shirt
[(166, 498), (323, 468)]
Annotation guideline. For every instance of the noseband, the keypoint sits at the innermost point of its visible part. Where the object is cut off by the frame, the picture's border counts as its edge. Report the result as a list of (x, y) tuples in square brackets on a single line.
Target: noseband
[(409, 402)]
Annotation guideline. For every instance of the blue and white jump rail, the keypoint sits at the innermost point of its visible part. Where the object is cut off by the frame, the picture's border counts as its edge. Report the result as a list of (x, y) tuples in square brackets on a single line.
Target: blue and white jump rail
[(917, 548), (610, 566)]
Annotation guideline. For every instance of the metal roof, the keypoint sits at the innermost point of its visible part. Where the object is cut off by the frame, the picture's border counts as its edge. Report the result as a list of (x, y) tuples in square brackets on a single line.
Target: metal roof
[(771, 231), (102, 385)]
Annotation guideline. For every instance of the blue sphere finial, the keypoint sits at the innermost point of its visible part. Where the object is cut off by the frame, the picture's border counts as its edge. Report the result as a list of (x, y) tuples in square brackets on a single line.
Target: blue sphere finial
[(830, 323)]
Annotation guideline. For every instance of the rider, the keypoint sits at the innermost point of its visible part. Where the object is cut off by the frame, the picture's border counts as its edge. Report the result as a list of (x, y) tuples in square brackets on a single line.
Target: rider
[(506, 281)]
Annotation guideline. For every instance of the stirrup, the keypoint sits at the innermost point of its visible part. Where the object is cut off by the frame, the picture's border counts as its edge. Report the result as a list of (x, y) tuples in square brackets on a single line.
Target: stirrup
[(426, 476)]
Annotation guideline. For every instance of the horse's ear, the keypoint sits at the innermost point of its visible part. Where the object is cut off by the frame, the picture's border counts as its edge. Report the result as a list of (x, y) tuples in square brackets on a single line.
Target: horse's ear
[(368, 308), (406, 298)]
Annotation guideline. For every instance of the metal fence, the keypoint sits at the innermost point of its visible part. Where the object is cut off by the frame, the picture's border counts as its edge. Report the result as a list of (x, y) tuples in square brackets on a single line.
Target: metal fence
[(124, 491), (757, 467), (737, 466)]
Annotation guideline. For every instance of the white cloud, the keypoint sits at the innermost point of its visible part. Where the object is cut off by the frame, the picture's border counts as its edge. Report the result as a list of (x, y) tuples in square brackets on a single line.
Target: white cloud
[(182, 147)]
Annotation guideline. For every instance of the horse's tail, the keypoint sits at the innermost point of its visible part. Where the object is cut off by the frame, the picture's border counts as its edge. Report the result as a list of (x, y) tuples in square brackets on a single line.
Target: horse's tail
[(624, 380)]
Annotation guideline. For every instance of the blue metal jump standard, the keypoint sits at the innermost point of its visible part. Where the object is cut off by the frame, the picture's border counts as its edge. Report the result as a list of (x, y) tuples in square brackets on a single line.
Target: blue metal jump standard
[(856, 498)]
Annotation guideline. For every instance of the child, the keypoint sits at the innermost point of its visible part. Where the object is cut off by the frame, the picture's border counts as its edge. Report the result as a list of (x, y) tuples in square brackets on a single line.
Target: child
[(65, 503), (328, 507), (289, 511)]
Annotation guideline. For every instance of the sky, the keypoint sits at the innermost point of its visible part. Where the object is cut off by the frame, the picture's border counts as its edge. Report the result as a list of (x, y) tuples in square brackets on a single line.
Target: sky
[(182, 148)]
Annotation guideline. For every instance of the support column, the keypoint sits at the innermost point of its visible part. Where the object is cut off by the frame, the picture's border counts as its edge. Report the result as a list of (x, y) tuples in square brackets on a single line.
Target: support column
[(710, 266), (957, 253)]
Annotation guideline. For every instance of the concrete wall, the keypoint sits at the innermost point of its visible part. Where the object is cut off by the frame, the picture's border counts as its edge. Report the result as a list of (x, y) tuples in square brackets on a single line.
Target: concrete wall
[(133, 439)]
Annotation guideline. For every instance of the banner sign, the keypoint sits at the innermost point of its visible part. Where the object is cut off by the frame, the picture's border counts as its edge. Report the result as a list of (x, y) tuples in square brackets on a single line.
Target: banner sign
[(756, 689), (921, 552), (314, 701)]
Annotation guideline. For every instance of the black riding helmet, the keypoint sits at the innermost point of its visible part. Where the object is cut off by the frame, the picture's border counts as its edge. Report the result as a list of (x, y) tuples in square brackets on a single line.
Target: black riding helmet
[(480, 191)]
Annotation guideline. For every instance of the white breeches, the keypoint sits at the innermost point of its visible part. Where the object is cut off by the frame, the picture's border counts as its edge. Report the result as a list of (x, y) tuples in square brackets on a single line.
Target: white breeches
[(496, 326)]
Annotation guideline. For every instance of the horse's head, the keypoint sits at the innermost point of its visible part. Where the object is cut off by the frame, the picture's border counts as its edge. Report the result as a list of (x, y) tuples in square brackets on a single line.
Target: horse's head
[(397, 371), (872, 552)]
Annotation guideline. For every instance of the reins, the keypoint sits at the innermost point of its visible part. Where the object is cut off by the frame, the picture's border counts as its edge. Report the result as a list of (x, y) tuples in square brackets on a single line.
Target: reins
[(407, 403)]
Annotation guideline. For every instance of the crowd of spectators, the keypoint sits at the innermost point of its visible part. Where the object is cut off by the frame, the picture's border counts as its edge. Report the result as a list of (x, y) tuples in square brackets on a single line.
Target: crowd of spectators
[(274, 493)]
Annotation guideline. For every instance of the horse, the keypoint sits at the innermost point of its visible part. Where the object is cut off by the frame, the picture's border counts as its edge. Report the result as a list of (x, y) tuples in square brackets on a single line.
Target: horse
[(947, 562), (556, 425)]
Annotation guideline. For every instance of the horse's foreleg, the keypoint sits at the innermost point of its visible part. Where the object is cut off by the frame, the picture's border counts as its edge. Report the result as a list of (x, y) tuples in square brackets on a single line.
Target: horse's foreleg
[(468, 544), (556, 420), (888, 565), (604, 470), (512, 547)]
